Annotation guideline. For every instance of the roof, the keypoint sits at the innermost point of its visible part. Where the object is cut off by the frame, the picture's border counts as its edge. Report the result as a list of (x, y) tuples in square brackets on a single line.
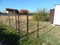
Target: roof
[(12, 10), (52, 9)]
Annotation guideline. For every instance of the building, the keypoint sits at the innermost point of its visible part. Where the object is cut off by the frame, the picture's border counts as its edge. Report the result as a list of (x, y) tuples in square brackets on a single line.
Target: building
[(23, 12), (2, 13), (11, 11), (55, 15), (51, 16)]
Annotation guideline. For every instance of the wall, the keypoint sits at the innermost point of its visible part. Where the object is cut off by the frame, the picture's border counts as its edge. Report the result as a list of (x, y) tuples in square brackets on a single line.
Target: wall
[(56, 20), (51, 17)]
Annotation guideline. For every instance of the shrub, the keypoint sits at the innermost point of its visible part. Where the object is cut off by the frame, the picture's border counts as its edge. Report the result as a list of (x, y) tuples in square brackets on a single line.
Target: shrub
[(42, 14)]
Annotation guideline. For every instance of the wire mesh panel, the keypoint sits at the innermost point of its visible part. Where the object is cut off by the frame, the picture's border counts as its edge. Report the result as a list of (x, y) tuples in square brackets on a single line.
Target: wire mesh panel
[(12, 21), (23, 24), (4, 19), (27, 27)]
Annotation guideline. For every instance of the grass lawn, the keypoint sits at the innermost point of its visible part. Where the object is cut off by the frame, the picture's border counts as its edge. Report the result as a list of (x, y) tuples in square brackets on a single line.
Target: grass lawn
[(48, 35)]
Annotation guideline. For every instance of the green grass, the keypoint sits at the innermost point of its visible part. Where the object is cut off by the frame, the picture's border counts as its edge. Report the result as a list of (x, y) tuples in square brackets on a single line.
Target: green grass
[(9, 36), (48, 34)]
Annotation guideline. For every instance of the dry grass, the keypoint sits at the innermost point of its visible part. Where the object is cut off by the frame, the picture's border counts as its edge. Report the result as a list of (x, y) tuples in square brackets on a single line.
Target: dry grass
[(5, 19)]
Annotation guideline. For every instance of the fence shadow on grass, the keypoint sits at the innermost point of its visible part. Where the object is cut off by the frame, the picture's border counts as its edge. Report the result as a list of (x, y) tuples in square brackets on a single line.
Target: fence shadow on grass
[(8, 38)]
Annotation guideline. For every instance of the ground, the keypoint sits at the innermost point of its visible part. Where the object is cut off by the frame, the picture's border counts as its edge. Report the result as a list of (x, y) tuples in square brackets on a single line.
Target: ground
[(48, 34)]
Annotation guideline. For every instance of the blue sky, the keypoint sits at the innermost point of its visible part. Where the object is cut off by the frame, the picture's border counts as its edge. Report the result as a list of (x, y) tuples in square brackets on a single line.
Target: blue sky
[(31, 5)]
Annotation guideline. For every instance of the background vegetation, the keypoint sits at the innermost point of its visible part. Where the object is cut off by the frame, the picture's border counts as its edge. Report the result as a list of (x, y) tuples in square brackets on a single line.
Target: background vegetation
[(42, 14)]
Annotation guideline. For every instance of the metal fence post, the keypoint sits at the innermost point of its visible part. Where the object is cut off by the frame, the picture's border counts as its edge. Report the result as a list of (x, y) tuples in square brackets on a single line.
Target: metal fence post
[(27, 23), (9, 20), (16, 21), (38, 27), (18, 25), (27, 26), (1, 19)]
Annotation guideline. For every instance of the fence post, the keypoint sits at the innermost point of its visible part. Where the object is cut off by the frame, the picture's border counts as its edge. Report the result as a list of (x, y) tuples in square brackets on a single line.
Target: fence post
[(27, 26), (9, 20), (18, 25), (38, 26), (16, 21), (1, 19)]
